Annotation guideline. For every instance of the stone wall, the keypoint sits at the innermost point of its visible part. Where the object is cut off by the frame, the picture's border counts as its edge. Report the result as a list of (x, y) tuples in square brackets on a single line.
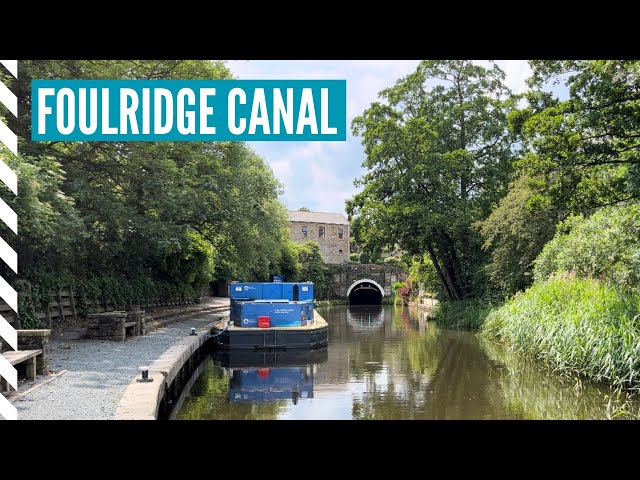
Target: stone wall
[(36, 340), (334, 250), (349, 273), (113, 325)]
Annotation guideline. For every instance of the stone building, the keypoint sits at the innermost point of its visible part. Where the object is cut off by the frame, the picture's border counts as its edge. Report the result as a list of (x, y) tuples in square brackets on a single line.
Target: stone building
[(329, 230)]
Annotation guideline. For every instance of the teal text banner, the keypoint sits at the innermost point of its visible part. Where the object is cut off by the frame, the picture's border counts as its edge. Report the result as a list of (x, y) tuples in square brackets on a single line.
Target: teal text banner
[(188, 110)]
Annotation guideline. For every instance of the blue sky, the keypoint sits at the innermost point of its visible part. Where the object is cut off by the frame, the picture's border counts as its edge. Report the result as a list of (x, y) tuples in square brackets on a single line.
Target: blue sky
[(320, 175)]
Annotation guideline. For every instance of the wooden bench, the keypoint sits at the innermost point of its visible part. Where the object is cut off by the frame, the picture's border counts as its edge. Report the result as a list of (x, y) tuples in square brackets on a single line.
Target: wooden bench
[(20, 356)]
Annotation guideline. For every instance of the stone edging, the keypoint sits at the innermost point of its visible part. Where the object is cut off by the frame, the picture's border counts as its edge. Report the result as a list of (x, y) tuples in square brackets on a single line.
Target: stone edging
[(141, 401)]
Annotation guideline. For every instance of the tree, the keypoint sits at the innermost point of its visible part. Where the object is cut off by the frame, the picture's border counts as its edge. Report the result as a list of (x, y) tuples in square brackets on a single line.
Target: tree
[(515, 234), (438, 157), (582, 152), (151, 214), (313, 268)]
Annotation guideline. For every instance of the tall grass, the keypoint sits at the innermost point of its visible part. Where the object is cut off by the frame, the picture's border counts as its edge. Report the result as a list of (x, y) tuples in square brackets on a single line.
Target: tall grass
[(575, 326), (463, 314)]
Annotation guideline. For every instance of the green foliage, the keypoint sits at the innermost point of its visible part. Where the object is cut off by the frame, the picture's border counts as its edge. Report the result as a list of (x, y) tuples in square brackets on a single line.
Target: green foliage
[(605, 245), (289, 266), (438, 155), (467, 314), (394, 261), (364, 258), (515, 234), (48, 222), (423, 274), (175, 215), (354, 257), (575, 326), (313, 268), (581, 149)]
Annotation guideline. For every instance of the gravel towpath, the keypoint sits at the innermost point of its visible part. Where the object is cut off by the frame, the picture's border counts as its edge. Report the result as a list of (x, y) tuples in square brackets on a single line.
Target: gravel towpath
[(98, 372)]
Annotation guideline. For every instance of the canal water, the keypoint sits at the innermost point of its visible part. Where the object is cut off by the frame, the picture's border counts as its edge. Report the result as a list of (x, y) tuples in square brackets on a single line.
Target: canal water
[(388, 362)]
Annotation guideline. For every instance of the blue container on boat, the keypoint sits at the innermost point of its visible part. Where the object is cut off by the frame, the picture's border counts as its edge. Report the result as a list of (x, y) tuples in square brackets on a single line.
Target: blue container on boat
[(282, 313), (246, 291), (272, 291), (305, 291), (267, 291)]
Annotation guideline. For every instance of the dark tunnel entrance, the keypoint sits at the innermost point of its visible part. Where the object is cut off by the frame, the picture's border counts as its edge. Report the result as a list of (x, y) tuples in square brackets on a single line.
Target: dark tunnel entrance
[(365, 293)]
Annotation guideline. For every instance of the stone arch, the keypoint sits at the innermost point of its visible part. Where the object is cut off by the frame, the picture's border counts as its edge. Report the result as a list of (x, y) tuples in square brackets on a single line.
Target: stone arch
[(365, 280)]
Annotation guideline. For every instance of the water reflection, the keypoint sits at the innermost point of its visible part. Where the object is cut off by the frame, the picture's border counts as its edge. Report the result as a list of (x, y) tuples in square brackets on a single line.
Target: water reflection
[(390, 363), (266, 377), (365, 318), (249, 385)]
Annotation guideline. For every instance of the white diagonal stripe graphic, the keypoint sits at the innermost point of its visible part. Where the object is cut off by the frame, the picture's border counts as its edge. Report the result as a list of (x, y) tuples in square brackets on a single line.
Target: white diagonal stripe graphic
[(8, 255), (8, 333), (9, 138), (8, 99), (9, 295), (12, 66), (8, 411), (8, 216), (8, 176), (9, 373)]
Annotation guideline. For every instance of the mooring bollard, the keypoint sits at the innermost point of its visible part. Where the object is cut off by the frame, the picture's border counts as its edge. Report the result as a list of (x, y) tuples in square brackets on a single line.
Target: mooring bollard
[(145, 375), (193, 331)]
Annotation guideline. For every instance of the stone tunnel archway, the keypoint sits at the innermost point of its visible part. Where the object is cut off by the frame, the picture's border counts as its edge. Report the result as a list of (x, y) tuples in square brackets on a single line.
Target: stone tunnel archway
[(365, 292)]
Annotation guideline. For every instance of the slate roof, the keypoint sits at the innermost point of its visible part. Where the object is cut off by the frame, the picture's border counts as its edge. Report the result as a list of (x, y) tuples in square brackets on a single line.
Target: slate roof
[(317, 217)]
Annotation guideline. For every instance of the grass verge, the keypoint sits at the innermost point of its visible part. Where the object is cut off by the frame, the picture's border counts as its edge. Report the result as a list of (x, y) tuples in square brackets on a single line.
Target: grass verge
[(574, 326)]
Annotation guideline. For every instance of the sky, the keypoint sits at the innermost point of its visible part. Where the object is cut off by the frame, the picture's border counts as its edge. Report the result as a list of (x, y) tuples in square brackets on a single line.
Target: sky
[(320, 175)]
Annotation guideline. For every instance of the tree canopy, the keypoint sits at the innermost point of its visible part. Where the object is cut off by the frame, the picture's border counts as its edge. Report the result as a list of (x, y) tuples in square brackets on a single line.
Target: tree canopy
[(183, 213), (472, 181), (438, 155)]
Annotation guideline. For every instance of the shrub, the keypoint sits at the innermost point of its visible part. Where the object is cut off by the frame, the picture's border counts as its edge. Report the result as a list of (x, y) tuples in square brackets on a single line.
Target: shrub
[(605, 245)]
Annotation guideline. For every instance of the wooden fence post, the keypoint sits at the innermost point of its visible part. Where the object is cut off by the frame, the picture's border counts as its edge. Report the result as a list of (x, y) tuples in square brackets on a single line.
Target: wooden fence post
[(60, 308), (72, 304)]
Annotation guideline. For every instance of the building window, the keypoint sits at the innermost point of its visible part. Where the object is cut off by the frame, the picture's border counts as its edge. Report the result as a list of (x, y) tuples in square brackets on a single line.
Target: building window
[(320, 232), (340, 251), (340, 233), (304, 230)]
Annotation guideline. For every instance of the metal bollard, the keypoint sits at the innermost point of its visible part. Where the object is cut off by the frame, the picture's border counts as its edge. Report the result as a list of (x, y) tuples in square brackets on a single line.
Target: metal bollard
[(145, 375)]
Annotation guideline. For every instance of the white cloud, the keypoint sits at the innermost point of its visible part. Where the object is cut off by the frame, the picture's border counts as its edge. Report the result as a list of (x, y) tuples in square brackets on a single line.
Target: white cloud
[(517, 72), (320, 175)]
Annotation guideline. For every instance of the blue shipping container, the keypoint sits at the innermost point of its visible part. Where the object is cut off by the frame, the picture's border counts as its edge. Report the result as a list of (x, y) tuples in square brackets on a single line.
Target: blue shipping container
[(251, 291), (272, 291), (236, 310), (268, 291), (281, 314), (305, 291)]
